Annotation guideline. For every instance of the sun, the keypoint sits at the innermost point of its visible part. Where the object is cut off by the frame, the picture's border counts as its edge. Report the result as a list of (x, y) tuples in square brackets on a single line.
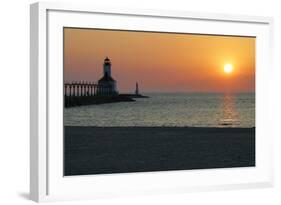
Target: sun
[(228, 68)]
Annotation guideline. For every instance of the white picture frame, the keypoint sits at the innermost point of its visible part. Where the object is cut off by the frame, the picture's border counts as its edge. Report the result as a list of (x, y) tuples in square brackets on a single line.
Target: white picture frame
[(47, 182)]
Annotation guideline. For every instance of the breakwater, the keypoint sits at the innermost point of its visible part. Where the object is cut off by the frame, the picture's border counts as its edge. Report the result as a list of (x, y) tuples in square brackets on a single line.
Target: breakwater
[(71, 101)]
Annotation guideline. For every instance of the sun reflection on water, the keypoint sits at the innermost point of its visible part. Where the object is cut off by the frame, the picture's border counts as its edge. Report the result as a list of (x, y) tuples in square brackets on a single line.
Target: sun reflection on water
[(229, 116)]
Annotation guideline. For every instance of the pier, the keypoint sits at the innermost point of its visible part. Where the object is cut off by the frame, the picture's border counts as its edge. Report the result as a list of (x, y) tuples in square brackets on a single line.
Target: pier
[(78, 89), (90, 93)]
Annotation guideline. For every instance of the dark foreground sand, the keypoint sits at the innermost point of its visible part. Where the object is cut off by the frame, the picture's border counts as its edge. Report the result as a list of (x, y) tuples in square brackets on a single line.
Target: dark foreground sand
[(96, 150)]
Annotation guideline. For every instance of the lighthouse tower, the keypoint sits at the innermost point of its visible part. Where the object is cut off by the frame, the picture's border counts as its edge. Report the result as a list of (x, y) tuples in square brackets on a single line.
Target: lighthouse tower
[(107, 85), (137, 89), (107, 67)]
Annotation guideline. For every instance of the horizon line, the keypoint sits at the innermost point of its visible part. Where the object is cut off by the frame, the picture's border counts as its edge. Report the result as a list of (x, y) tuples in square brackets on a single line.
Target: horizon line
[(203, 92)]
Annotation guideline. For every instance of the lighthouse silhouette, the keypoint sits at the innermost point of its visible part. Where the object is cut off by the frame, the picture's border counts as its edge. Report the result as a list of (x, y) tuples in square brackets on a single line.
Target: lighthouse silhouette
[(107, 80), (137, 89)]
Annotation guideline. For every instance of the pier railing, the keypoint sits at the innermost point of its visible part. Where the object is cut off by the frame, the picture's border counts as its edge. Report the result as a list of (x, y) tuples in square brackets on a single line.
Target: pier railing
[(78, 89), (87, 93)]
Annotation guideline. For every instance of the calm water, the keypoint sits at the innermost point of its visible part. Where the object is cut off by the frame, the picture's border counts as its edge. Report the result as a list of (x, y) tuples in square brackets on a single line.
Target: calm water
[(184, 109)]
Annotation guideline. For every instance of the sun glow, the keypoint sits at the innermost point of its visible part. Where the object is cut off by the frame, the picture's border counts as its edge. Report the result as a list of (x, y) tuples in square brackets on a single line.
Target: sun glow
[(228, 68)]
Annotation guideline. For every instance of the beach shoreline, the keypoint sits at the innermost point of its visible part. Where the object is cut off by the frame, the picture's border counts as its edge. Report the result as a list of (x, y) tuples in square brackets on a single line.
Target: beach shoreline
[(106, 150)]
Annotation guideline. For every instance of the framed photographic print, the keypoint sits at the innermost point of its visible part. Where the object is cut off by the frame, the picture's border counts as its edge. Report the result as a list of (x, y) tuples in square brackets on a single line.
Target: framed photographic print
[(128, 102)]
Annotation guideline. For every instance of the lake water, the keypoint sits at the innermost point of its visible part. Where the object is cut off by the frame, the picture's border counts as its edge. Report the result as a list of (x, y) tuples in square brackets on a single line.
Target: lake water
[(169, 109)]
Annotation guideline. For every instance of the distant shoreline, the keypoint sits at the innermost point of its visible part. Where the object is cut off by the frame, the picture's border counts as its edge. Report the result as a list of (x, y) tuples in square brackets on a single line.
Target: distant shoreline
[(104, 150)]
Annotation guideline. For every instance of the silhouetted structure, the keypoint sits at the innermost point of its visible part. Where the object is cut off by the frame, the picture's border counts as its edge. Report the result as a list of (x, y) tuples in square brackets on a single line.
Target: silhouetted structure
[(76, 89), (137, 89), (107, 80), (90, 93)]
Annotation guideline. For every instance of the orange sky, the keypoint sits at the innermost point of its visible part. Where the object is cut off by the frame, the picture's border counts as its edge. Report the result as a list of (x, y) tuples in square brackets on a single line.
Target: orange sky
[(161, 62)]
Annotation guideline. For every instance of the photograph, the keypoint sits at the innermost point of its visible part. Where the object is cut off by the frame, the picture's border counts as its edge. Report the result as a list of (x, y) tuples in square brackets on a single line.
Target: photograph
[(146, 101)]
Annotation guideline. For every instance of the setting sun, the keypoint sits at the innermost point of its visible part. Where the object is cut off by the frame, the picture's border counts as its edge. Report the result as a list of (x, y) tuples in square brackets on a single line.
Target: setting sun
[(228, 68)]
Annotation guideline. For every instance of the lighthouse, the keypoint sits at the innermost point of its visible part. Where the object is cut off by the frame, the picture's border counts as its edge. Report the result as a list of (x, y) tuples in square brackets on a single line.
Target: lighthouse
[(137, 89), (107, 85), (107, 67)]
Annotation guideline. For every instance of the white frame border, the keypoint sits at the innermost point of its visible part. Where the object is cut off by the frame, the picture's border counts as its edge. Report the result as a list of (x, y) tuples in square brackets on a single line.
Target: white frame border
[(39, 74)]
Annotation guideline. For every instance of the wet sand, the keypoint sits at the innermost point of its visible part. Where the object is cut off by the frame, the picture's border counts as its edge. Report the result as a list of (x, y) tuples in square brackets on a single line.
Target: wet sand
[(97, 150)]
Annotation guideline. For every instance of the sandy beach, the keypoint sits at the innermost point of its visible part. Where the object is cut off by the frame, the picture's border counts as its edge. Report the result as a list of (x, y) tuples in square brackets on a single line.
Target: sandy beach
[(97, 150)]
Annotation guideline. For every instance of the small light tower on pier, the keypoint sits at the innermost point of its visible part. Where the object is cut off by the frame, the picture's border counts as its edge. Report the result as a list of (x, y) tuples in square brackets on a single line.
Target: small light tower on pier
[(137, 89)]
